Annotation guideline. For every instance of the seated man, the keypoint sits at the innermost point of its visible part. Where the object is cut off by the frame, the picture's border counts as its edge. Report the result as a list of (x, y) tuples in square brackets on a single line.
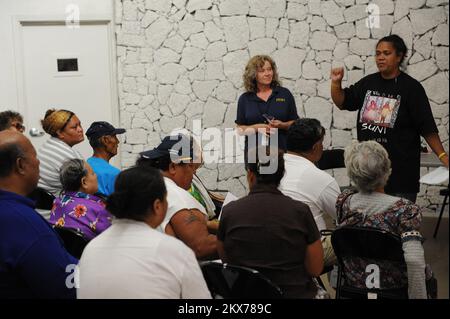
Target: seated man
[(305, 182), (10, 120), (271, 232), (33, 260), (103, 140), (186, 218)]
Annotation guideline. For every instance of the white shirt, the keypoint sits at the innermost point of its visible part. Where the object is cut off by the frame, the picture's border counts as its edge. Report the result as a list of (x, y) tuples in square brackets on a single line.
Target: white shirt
[(305, 182), (52, 154), (178, 199), (132, 260)]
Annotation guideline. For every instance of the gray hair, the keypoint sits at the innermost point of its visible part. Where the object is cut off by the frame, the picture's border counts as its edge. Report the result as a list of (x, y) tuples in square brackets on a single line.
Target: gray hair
[(368, 165), (71, 173)]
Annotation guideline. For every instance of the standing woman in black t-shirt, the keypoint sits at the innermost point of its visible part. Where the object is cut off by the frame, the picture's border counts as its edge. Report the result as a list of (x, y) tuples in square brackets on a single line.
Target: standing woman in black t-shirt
[(266, 106), (393, 109)]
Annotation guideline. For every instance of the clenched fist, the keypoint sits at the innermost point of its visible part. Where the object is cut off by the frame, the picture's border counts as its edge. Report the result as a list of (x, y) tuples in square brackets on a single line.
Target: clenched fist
[(337, 74)]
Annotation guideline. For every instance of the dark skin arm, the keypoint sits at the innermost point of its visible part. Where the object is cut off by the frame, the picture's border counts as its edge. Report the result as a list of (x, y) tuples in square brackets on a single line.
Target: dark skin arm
[(314, 258), (189, 225), (221, 251), (436, 145)]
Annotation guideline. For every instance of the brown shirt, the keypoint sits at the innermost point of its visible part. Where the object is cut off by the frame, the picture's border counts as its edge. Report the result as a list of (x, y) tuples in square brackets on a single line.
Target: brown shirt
[(269, 232)]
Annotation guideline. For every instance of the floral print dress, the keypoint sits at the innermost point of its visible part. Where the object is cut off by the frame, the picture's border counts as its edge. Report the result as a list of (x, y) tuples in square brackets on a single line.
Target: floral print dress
[(402, 217), (83, 212)]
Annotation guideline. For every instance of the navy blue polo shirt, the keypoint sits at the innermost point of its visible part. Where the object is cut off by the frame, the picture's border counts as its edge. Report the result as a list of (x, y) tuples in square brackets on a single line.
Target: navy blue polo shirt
[(280, 105), (33, 260)]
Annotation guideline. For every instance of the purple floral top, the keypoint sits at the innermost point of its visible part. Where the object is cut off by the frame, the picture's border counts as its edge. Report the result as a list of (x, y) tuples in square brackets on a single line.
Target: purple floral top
[(399, 219), (80, 211)]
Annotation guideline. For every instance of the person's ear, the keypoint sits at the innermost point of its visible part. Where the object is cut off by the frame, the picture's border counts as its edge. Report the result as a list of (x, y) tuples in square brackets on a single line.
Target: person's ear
[(104, 140), (60, 134), (83, 182), (172, 168), (159, 209), (20, 166), (251, 177)]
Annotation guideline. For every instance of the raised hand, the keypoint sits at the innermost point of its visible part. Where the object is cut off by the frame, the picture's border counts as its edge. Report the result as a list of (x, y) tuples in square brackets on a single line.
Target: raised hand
[(337, 74)]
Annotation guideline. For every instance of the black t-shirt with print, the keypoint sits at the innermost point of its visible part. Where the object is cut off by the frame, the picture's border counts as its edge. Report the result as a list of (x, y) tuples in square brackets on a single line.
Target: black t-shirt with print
[(280, 105), (395, 113)]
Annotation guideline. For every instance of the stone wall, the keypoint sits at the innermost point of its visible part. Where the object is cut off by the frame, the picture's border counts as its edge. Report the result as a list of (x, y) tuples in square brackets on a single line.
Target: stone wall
[(180, 60)]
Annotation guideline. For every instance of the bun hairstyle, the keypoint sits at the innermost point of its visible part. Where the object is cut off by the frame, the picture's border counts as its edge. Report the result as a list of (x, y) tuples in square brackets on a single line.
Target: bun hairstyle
[(55, 120), (135, 191)]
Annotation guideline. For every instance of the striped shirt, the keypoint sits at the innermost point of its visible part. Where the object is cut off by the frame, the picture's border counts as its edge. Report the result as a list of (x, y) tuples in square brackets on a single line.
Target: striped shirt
[(52, 154)]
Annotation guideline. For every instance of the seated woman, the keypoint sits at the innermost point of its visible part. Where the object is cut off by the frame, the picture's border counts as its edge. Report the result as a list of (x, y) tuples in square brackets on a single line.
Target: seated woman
[(369, 167), (132, 259), (77, 207), (271, 232), (65, 130)]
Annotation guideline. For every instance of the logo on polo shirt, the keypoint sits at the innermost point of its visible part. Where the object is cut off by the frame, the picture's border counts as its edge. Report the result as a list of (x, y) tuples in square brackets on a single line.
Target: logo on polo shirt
[(280, 99)]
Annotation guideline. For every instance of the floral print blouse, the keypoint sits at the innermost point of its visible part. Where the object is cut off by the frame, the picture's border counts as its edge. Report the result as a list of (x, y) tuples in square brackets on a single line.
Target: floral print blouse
[(80, 211), (403, 218)]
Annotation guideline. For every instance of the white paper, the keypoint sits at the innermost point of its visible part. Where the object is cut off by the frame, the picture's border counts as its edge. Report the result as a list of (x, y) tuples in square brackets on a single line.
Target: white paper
[(436, 177), (228, 199)]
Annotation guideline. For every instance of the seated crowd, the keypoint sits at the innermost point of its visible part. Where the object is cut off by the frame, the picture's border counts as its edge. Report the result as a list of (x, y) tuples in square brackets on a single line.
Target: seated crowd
[(150, 225)]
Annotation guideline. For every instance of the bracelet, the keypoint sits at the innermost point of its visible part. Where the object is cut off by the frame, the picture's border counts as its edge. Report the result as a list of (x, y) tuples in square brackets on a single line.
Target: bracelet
[(440, 156)]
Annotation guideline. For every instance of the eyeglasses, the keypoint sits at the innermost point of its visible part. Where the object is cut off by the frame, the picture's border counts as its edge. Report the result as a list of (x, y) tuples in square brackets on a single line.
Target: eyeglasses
[(19, 126)]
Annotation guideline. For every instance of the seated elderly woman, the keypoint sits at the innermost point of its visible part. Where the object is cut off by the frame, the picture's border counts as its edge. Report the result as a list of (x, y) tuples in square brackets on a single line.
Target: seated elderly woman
[(77, 207), (368, 167), (132, 259), (65, 130)]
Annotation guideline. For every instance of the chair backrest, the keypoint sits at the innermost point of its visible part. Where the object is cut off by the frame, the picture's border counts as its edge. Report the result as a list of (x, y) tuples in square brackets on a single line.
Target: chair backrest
[(331, 159), (366, 243), (74, 241), (43, 199), (227, 281)]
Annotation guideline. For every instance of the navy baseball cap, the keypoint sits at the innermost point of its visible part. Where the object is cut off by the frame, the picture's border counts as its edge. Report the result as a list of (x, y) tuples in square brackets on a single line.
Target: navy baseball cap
[(99, 129), (178, 147)]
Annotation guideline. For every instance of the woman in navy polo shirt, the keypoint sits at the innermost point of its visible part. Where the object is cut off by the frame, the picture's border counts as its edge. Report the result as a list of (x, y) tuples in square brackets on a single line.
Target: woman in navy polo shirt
[(266, 106)]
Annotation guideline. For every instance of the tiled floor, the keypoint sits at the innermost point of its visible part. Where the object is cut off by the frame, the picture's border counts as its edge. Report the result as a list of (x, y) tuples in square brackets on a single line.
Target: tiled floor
[(436, 252)]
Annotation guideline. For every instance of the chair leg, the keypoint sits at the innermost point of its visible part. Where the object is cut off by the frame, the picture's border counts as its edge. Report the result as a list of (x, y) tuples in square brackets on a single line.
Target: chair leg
[(338, 284), (440, 216)]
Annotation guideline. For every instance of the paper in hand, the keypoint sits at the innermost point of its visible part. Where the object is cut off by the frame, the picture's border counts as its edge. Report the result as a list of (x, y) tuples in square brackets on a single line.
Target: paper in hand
[(436, 177), (228, 199)]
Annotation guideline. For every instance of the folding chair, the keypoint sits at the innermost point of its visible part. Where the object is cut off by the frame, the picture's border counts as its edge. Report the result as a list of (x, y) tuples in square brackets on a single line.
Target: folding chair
[(42, 198), (366, 243), (442, 192), (331, 159), (227, 281), (73, 240)]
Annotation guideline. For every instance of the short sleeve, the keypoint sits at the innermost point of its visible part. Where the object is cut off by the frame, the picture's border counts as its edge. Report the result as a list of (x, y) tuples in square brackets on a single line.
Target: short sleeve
[(312, 232), (420, 111), (353, 96), (222, 224), (410, 219), (240, 115), (292, 113)]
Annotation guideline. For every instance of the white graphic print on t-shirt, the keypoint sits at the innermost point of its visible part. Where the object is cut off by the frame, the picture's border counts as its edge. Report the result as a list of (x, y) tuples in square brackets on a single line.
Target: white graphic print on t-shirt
[(380, 110)]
